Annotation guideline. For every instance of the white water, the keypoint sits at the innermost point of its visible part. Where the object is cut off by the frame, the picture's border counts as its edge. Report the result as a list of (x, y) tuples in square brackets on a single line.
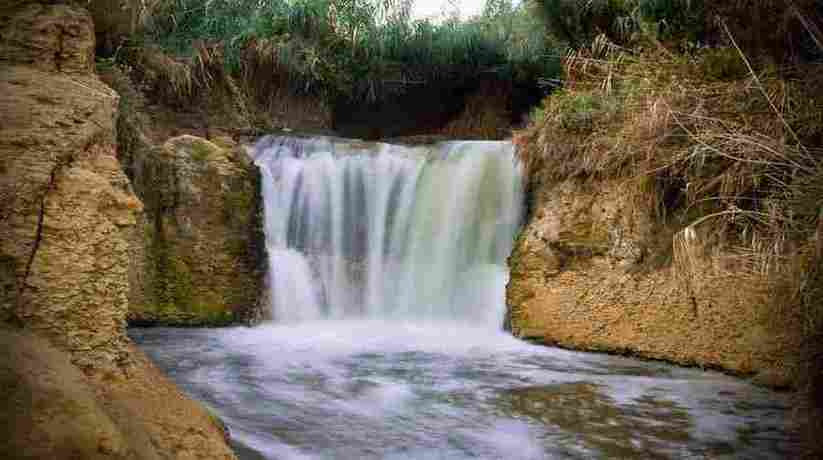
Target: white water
[(371, 389), (379, 231), (371, 233)]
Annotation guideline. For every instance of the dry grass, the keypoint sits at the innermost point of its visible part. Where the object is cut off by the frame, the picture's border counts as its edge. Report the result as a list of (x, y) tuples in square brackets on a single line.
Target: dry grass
[(260, 58), (726, 157), (181, 82), (486, 114), (273, 86), (258, 95), (165, 78)]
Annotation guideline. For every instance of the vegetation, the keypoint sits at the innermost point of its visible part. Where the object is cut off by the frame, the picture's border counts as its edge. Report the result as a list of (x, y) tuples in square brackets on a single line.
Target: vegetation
[(356, 50), (774, 28)]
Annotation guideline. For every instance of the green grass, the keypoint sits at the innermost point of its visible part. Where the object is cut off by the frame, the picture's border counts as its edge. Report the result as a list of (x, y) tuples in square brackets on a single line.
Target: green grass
[(201, 150), (364, 50)]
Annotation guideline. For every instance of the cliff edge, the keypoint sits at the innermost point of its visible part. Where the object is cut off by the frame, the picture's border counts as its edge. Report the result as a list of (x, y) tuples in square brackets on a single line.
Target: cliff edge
[(674, 214), (77, 386)]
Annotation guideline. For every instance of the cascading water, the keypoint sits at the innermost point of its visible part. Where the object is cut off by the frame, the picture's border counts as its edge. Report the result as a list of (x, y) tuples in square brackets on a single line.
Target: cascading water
[(367, 233), (371, 230)]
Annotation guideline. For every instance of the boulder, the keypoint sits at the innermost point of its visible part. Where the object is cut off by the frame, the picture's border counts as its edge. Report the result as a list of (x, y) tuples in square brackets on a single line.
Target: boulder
[(201, 261)]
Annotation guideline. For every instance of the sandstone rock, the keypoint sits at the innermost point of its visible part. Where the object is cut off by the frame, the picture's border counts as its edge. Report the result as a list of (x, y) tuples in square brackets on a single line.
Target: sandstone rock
[(202, 252), (67, 209), (51, 410), (582, 276), (48, 38), (74, 385), (48, 410)]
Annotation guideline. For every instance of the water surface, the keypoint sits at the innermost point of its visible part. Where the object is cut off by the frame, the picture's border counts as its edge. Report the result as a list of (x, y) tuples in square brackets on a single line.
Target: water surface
[(366, 389)]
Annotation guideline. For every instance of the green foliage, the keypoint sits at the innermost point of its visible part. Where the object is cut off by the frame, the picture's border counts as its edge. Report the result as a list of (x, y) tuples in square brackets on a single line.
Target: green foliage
[(360, 49), (668, 19), (579, 112), (537, 114), (723, 64), (103, 64), (578, 22), (201, 150)]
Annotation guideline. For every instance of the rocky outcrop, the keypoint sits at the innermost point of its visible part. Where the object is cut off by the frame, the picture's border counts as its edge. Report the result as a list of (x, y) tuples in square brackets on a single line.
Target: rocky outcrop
[(200, 260), (45, 37), (592, 270), (51, 410), (67, 209), (56, 413), (74, 385)]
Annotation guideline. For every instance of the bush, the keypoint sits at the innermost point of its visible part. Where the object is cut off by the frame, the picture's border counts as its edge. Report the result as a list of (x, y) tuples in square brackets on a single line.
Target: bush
[(578, 22), (782, 30)]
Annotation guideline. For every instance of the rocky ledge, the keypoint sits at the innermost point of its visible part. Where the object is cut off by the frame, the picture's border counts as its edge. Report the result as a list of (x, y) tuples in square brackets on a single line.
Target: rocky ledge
[(74, 385), (592, 271)]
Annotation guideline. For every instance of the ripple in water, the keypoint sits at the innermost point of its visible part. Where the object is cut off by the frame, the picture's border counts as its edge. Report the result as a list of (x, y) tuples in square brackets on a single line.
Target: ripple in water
[(392, 390)]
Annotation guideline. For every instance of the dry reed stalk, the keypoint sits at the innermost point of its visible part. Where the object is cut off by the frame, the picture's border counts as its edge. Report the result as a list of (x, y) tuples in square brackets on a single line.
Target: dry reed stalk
[(718, 146)]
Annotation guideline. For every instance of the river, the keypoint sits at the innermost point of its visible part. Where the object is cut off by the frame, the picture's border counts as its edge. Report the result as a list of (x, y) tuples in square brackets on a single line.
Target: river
[(366, 389)]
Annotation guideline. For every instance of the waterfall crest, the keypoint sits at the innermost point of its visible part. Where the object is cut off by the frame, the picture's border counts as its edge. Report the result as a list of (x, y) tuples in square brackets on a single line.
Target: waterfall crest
[(372, 230)]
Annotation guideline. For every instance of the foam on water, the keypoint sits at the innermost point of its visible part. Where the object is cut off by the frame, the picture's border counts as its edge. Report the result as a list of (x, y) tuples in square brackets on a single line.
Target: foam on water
[(395, 389), (370, 230)]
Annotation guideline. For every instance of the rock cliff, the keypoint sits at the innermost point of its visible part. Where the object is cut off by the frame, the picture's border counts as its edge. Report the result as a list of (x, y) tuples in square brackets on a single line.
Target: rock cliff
[(592, 270), (68, 212), (68, 224), (200, 260)]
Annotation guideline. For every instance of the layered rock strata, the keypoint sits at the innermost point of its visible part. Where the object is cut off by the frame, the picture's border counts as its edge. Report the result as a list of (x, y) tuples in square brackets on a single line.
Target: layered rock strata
[(74, 385)]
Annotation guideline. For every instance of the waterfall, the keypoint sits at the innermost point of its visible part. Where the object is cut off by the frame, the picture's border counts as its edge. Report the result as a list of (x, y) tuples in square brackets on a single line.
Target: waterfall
[(372, 230)]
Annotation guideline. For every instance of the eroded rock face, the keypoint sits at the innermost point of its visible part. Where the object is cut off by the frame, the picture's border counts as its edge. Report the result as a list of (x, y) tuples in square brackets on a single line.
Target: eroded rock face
[(52, 410), (201, 253), (592, 270), (74, 385), (50, 38), (67, 209), (53, 413)]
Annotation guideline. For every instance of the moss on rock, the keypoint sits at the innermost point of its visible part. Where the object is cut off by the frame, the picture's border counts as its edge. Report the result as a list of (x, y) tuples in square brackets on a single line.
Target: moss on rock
[(201, 250)]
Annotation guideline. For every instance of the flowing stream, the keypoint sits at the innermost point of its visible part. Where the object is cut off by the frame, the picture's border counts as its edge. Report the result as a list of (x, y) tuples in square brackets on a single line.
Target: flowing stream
[(369, 230), (387, 273)]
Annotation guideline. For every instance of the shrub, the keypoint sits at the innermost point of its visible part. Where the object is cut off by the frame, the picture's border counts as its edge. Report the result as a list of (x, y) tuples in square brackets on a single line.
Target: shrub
[(782, 30)]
